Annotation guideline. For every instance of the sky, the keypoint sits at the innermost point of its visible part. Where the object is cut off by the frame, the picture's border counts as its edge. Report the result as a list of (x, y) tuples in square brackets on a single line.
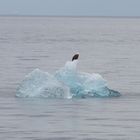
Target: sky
[(70, 7)]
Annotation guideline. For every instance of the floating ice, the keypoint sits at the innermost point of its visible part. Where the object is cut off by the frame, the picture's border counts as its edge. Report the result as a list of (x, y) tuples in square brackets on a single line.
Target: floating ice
[(67, 82), (42, 84)]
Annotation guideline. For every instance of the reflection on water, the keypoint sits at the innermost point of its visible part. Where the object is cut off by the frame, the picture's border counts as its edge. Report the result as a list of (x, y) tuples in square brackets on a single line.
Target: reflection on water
[(104, 119)]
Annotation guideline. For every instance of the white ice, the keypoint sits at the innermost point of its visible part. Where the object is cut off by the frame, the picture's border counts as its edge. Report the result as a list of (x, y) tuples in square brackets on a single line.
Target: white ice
[(67, 82)]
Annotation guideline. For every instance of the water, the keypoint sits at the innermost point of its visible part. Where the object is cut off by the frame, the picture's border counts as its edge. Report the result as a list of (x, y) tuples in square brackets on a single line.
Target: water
[(108, 46)]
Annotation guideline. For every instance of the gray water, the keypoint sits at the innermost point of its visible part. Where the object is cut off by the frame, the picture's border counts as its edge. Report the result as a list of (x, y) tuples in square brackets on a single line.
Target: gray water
[(108, 46)]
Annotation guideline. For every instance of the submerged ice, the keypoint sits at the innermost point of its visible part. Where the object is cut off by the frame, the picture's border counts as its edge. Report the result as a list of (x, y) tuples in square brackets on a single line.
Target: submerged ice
[(67, 82)]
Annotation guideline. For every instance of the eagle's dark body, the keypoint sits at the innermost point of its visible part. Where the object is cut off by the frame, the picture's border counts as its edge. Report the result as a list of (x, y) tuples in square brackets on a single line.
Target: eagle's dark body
[(75, 57)]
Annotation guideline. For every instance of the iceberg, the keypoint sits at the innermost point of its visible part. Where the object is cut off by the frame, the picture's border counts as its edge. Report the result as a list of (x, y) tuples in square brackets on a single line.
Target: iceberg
[(67, 82)]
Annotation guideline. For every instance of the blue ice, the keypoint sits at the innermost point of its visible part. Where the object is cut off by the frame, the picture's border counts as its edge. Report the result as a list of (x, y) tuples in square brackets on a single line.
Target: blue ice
[(67, 82)]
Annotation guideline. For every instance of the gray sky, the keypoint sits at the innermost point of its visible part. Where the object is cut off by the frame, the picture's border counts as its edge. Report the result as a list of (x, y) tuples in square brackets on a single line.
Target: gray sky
[(71, 7)]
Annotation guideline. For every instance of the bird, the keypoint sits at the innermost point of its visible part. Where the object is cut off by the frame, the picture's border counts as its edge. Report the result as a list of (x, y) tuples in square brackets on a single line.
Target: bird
[(75, 57)]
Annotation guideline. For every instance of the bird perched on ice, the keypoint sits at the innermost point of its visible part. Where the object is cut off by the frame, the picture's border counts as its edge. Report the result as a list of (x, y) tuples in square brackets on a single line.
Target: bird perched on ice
[(75, 57)]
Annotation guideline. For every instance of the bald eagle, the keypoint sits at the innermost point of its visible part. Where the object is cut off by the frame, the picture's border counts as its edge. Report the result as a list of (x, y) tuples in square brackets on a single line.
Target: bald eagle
[(75, 57)]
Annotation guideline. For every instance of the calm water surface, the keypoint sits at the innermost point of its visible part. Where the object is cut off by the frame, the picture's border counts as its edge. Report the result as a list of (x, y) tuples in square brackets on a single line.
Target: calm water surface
[(109, 46)]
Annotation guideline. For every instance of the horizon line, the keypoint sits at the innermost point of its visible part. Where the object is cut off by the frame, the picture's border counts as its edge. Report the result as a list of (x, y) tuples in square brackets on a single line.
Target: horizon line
[(72, 16)]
